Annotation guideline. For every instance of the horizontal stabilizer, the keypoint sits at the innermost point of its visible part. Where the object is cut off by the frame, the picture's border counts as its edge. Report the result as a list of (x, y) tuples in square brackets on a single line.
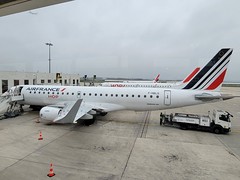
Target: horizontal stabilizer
[(209, 97)]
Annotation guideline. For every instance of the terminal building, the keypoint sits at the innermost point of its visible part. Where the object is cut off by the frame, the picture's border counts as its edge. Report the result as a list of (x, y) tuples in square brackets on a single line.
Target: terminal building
[(9, 79)]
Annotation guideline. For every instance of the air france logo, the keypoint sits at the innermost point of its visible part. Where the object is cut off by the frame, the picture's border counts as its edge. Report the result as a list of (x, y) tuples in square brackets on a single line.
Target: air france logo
[(43, 89)]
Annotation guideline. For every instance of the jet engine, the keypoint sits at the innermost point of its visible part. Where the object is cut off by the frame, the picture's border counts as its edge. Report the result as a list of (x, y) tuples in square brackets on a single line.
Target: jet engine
[(49, 113)]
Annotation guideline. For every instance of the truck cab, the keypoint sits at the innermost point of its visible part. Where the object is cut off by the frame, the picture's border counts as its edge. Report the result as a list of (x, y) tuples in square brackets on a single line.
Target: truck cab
[(221, 121)]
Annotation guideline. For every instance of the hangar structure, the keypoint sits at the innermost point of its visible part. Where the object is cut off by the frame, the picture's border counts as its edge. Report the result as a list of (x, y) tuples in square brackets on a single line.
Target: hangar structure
[(9, 79)]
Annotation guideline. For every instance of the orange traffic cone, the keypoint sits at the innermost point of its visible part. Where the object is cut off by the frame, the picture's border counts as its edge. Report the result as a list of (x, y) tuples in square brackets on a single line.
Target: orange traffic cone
[(51, 173), (40, 136)]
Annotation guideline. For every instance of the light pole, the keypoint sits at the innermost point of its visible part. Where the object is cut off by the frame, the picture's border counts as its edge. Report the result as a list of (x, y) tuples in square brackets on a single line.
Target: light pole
[(49, 56)]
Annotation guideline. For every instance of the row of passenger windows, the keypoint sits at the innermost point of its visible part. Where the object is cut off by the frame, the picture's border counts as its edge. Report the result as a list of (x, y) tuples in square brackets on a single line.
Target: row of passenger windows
[(90, 94), (118, 95)]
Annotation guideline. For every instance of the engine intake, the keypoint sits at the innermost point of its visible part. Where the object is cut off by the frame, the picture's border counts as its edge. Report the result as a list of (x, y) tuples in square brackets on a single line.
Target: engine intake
[(49, 113)]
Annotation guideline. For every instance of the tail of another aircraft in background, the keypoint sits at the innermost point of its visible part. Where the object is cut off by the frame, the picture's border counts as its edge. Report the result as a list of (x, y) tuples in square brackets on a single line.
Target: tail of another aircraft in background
[(156, 79), (211, 76)]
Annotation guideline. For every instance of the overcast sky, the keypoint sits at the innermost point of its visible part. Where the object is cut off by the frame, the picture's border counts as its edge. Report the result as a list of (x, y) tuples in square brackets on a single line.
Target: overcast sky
[(122, 38)]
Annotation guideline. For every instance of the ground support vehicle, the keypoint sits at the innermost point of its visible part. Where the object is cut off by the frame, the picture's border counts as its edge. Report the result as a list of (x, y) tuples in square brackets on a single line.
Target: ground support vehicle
[(217, 122)]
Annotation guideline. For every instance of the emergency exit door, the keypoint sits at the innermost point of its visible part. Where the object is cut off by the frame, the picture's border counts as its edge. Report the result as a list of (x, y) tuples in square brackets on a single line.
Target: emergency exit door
[(167, 97)]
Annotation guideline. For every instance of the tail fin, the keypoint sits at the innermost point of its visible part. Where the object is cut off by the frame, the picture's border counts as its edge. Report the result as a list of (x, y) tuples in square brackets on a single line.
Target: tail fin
[(156, 79), (212, 74)]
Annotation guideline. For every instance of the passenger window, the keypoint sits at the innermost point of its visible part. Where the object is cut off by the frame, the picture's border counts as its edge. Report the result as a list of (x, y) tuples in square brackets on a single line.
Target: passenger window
[(72, 93), (132, 95), (95, 94), (48, 92), (106, 95), (144, 96), (139, 96), (62, 93), (52, 92), (100, 94), (84, 94), (151, 96), (90, 94), (111, 94), (43, 92), (126, 95), (157, 96), (116, 95), (39, 92), (67, 93), (121, 95)]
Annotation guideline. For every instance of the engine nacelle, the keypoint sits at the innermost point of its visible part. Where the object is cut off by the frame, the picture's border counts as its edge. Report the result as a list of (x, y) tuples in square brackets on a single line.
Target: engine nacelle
[(49, 113)]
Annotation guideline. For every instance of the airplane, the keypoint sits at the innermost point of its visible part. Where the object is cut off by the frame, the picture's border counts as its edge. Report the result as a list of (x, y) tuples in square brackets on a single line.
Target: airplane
[(8, 7), (153, 84), (75, 104), (109, 82), (155, 80)]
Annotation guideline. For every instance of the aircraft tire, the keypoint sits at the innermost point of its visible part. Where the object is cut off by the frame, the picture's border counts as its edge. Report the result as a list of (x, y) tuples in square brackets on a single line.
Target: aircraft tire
[(89, 122), (103, 113)]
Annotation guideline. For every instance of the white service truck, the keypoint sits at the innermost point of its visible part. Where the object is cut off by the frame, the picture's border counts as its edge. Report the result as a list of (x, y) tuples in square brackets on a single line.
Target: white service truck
[(218, 122)]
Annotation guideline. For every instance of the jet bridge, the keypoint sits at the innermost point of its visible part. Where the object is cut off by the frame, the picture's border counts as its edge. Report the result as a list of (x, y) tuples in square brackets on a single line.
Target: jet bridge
[(9, 106)]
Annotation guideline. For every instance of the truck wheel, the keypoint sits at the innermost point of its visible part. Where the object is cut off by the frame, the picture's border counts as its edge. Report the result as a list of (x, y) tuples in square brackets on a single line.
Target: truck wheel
[(217, 130), (183, 126)]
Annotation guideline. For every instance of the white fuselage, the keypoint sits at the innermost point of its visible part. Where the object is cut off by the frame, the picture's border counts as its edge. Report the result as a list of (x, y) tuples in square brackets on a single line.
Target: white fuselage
[(110, 99), (142, 85)]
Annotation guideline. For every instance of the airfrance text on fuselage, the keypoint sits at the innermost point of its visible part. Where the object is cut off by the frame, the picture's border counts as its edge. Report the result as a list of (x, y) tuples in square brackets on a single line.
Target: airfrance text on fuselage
[(42, 89)]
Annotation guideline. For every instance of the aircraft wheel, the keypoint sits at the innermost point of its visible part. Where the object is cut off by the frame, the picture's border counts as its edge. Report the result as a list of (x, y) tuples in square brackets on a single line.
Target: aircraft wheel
[(103, 113), (89, 122)]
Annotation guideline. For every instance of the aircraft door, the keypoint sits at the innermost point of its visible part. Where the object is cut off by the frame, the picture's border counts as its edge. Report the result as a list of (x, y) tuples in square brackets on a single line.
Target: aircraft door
[(167, 97), (79, 94)]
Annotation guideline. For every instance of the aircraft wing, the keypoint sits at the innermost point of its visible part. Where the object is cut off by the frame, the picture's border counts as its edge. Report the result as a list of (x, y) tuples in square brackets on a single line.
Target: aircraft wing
[(69, 112), (72, 111), (8, 7)]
